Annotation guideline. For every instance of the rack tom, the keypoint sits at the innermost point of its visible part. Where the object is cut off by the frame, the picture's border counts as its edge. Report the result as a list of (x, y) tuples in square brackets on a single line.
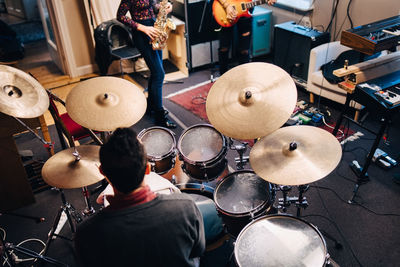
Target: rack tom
[(202, 149), (160, 146)]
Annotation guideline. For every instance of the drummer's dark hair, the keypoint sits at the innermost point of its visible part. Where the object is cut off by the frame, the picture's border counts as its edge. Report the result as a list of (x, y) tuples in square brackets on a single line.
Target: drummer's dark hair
[(123, 160)]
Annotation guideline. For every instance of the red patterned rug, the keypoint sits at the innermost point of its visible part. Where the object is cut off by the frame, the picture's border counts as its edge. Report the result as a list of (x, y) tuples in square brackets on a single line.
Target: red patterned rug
[(194, 99)]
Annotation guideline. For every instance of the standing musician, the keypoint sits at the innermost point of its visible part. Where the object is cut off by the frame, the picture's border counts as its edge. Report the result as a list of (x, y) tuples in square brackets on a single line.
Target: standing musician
[(139, 227), (243, 27), (142, 21)]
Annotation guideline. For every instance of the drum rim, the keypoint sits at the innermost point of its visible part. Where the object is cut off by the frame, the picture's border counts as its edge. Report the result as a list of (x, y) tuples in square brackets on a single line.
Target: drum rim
[(196, 187), (193, 162), (241, 214), (325, 249), (172, 150)]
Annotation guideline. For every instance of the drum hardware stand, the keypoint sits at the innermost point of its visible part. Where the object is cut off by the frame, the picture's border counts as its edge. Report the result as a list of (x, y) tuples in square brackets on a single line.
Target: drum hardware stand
[(89, 210), (7, 249), (70, 212), (47, 145), (286, 201), (241, 149)]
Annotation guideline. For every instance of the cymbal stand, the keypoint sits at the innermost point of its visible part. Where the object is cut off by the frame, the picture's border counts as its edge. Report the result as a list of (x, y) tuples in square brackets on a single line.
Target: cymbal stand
[(47, 145), (70, 212), (285, 201), (302, 201), (241, 149)]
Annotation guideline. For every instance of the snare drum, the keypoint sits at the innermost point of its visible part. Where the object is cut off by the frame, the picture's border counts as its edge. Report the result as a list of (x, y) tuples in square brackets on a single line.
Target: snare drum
[(202, 196), (202, 150), (240, 197), (280, 240), (160, 146)]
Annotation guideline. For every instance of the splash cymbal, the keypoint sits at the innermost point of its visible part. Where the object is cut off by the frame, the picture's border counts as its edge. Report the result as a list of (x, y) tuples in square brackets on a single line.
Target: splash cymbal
[(251, 100), (106, 103), (295, 155), (21, 95), (64, 170)]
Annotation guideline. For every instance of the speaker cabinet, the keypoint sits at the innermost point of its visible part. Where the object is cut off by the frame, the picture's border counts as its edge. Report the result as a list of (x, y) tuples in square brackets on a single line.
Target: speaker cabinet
[(292, 46), (201, 37), (261, 32)]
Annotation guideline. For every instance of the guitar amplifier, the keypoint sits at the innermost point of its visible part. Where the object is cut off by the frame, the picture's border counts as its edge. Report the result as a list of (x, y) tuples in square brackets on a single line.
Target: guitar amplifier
[(292, 46), (261, 31)]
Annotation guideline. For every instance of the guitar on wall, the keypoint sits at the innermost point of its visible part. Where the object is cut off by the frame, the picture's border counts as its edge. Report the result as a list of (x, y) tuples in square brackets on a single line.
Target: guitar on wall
[(242, 7)]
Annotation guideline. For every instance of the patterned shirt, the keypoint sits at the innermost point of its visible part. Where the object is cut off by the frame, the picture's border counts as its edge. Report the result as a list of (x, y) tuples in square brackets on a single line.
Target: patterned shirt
[(139, 10)]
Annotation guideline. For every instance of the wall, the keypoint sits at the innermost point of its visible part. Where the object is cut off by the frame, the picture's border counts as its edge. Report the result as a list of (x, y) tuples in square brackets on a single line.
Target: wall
[(361, 12)]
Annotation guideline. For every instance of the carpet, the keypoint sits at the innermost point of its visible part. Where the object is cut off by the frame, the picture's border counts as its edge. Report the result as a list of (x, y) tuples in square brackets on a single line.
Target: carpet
[(194, 99)]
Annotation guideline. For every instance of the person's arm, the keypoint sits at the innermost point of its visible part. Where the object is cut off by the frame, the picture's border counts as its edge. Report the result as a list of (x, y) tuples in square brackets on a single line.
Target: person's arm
[(123, 8), (231, 12)]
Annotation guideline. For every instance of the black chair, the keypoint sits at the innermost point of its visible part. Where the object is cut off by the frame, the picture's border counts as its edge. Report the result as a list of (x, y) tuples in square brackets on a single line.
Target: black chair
[(113, 42)]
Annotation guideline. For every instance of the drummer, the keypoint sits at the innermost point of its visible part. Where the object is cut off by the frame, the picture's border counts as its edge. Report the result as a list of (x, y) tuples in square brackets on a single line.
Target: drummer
[(139, 226)]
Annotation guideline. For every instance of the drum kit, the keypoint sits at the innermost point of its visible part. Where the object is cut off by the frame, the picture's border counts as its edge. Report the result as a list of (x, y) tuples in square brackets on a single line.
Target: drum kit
[(250, 101)]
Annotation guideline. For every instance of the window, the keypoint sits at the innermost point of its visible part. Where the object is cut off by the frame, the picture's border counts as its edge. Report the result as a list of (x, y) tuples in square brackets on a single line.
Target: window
[(303, 5)]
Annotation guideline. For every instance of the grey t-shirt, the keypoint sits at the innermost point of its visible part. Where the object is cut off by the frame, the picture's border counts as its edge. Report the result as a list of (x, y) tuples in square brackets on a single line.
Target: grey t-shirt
[(167, 231)]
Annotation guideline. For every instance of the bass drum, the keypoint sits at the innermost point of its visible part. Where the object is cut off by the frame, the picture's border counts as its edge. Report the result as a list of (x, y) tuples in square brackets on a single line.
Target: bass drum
[(242, 196), (280, 240), (160, 146), (202, 149)]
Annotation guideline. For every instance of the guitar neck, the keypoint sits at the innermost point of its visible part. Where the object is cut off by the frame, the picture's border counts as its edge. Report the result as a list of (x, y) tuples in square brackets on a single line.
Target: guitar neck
[(254, 3)]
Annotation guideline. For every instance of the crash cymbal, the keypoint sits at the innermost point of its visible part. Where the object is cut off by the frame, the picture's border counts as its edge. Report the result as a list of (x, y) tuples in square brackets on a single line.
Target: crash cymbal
[(64, 170), (106, 103), (251, 100), (295, 155), (21, 95)]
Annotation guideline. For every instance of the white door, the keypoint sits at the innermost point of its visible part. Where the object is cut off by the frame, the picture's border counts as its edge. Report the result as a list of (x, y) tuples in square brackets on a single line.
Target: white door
[(50, 30)]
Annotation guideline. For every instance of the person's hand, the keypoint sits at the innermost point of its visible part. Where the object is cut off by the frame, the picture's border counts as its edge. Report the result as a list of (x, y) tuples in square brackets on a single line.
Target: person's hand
[(231, 13), (169, 7), (149, 31), (271, 2)]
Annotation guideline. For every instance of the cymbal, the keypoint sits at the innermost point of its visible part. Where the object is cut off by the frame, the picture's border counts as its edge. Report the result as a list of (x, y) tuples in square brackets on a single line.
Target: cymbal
[(63, 170), (21, 95), (106, 103), (295, 155), (251, 100)]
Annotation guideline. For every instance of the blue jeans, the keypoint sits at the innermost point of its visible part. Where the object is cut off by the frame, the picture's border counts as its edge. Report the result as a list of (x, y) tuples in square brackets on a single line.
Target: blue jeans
[(153, 59)]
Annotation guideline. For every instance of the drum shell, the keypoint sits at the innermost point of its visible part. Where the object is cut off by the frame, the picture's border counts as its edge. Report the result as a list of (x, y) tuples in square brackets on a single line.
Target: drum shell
[(317, 248), (236, 221), (160, 164), (206, 170)]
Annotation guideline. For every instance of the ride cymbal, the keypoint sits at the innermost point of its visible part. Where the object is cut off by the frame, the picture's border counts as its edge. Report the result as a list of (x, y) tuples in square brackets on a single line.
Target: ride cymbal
[(106, 103), (66, 170), (295, 155), (251, 100), (21, 95)]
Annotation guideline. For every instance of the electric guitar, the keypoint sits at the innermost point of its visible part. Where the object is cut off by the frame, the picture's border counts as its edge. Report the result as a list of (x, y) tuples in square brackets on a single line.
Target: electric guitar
[(242, 7)]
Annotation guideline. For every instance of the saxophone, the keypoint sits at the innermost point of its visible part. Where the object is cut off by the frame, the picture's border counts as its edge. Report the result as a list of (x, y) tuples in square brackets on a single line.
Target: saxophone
[(164, 25)]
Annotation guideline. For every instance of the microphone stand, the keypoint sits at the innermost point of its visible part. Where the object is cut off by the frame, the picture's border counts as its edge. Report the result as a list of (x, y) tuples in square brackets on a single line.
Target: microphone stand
[(212, 78)]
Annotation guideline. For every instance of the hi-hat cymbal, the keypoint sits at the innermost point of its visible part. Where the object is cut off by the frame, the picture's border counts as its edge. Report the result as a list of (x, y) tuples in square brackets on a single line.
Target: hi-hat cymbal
[(64, 170), (251, 100), (295, 155), (21, 95), (106, 103)]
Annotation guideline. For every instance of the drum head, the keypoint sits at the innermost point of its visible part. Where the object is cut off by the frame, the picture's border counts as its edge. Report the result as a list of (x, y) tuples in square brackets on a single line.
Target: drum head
[(158, 142), (241, 192), (200, 143), (280, 240)]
